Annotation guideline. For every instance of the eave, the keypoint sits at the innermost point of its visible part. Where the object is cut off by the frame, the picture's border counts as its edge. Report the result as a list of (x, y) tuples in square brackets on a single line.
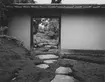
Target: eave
[(57, 6)]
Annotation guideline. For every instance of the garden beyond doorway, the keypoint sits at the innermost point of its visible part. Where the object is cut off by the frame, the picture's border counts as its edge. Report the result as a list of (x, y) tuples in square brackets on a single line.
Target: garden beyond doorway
[(45, 34)]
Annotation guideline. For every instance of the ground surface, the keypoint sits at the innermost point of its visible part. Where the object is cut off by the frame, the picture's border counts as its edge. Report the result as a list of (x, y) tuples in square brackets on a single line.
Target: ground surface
[(17, 64)]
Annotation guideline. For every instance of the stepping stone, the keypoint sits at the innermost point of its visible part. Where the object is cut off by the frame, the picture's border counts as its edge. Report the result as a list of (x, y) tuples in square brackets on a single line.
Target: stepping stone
[(44, 66), (63, 78), (63, 70), (49, 61), (49, 56)]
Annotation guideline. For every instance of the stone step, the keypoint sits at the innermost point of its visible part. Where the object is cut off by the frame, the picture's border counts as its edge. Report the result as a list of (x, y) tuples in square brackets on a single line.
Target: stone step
[(44, 66), (64, 78), (48, 56), (49, 61), (63, 70)]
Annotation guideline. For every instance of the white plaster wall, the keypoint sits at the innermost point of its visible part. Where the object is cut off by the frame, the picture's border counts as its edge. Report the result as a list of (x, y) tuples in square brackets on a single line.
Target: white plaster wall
[(19, 27), (83, 32)]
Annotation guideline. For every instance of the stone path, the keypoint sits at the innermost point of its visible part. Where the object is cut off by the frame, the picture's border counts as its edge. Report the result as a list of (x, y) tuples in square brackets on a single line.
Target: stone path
[(60, 73), (63, 78)]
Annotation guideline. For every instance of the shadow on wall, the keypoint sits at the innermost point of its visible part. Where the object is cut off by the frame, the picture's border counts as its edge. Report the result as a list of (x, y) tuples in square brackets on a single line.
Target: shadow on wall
[(19, 27)]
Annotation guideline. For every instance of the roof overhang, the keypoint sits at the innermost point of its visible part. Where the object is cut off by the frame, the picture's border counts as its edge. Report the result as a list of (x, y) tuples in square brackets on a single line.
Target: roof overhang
[(57, 6)]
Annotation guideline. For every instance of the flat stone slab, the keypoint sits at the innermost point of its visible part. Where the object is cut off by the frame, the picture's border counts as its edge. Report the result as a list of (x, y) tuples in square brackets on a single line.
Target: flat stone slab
[(63, 78), (48, 56), (63, 70), (44, 66), (49, 61)]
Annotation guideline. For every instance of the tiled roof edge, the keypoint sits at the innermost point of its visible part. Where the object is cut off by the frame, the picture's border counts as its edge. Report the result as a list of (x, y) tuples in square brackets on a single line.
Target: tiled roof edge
[(57, 6)]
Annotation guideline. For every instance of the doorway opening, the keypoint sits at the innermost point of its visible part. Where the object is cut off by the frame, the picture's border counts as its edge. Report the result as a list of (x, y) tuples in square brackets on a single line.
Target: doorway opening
[(46, 34)]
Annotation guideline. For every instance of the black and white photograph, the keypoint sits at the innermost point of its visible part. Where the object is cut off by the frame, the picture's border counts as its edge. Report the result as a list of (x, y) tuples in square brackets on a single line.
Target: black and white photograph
[(52, 40)]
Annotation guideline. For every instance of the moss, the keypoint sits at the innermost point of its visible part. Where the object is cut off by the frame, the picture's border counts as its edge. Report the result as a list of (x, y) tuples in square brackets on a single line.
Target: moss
[(12, 53)]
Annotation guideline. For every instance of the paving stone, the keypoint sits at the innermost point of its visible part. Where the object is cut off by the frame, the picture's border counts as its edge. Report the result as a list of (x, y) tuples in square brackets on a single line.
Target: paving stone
[(49, 61), (48, 56), (44, 66), (63, 70), (63, 78)]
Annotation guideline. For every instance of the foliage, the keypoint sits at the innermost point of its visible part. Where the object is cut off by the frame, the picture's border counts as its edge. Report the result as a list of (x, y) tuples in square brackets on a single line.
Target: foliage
[(47, 35), (12, 57), (53, 31), (49, 26), (3, 9), (3, 4)]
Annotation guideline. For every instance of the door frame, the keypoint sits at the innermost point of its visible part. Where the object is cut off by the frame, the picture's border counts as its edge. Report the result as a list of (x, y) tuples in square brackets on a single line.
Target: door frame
[(42, 16)]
